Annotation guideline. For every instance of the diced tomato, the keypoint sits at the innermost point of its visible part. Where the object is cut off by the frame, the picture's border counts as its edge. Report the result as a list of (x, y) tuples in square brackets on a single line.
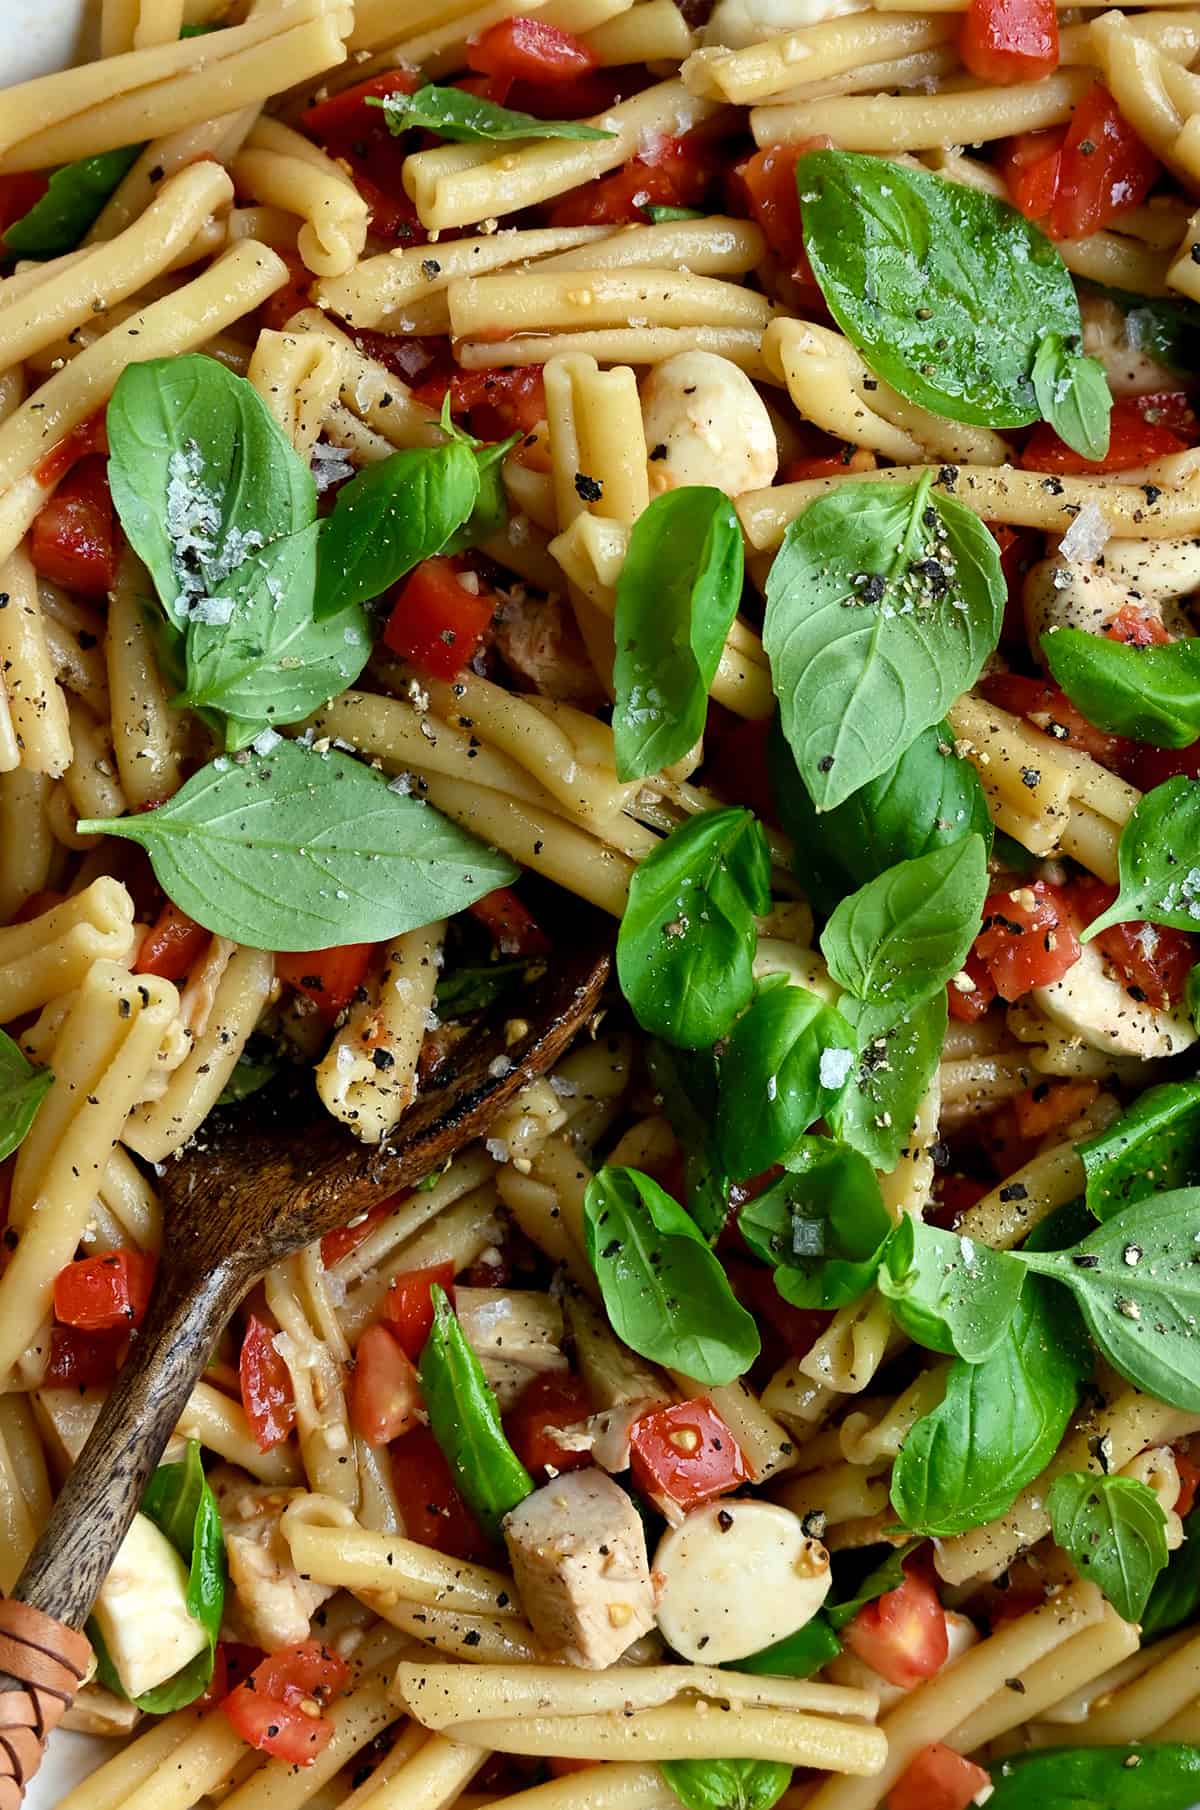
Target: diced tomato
[(674, 173), (1137, 626), (172, 945), (736, 761), (510, 399), (835, 465), (1149, 767), (440, 615), (969, 1006), (91, 436), (1052, 711), (902, 1634), (954, 1195), (551, 1401), (267, 1394), (346, 115), (359, 137), (1189, 1479), (433, 1512), (560, 1768), (74, 537), (768, 180), (99, 1293), (385, 1391), (1030, 164), (510, 924), (1027, 939), (408, 1305), (1132, 440), (83, 1360), (278, 1708), (1104, 168), (798, 1328), (939, 1779), (529, 51), (233, 1662), (685, 1454), (1011, 1605), (1009, 40), (329, 977), (338, 1244), (1154, 959), (1020, 548), (18, 193), (1049, 1106), (279, 308)]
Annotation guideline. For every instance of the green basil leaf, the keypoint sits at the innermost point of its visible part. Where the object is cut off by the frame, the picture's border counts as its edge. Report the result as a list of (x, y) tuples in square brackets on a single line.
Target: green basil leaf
[(883, 603), (1191, 995), (489, 517), (298, 850), (1138, 1283), (1157, 1776), (75, 198), (665, 1293), (727, 1784), (930, 797), (998, 1425), (1152, 1147), (899, 1054), (1151, 694), (949, 1293), (466, 990), (1167, 328), (888, 1575), (1174, 1599), (22, 1090), (659, 214), (251, 1073), (467, 119), (1010, 857), (201, 475), (946, 291), (182, 1506), (677, 594), (1073, 394), (685, 949), (785, 1062), (464, 1418), (1114, 1531), (797, 1655), (687, 1081), (390, 517), (898, 939), (822, 1226), (1158, 861)]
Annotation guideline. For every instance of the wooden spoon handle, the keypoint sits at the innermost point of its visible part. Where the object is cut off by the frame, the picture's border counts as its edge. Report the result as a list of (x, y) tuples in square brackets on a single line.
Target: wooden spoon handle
[(42, 1654)]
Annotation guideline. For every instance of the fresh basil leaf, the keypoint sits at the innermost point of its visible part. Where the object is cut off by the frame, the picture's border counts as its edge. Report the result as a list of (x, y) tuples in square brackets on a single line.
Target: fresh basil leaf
[(677, 594), (930, 797), (1010, 856), (665, 1293), (685, 949), (946, 291), (1174, 1598), (785, 1062), (467, 119), (727, 1784), (1191, 995), (489, 517), (1152, 1147), (883, 603), (182, 1506), (1073, 395), (1158, 861), (22, 1090), (1114, 1531), (998, 1425), (886, 1576), (464, 1418), (949, 1293), (822, 1226), (466, 990), (659, 214), (798, 1655), (1138, 1283), (687, 1081), (899, 1054), (299, 850), (1154, 1776), (898, 939), (390, 517), (251, 1073), (1151, 694), (1167, 328), (76, 196)]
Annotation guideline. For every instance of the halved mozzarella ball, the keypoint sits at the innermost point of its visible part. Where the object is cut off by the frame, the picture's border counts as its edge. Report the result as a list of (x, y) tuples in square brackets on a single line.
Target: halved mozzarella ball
[(736, 1576), (706, 423)]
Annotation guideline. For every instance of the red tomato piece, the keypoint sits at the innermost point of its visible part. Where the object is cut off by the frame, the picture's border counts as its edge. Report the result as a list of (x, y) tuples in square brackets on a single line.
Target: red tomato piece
[(939, 1779), (74, 537), (408, 1305), (968, 1006), (91, 436), (768, 180), (510, 924), (1104, 168), (18, 193), (233, 1663), (1189, 1479), (1154, 959), (1052, 711), (338, 1244), (1027, 940), (736, 761), (1149, 767), (279, 308), (1009, 40), (1049, 1106), (440, 615), (278, 1708), (508, 400), (267, 1394), (357, 134), (99, 1293), (526, 50), (172, 945), (83, 1360), (685, 1455), (675, 173), (346, 115), (385, 1391), (1030, 165), (955, 1195), (433, 1511), (329, 977), (835, 465), (1133, 439), (551, 1401), (1137, 627), (799, 1328), (903, 1633)]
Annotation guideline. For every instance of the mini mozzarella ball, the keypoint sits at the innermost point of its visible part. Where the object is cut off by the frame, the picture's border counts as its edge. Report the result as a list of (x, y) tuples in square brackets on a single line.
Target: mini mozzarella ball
[(736, 1576), (736, 23), (706, 424), (1091, 1002)]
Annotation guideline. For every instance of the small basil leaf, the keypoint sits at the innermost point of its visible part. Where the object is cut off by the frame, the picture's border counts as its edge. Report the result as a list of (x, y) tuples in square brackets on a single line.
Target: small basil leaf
[(1073, 394), (727, 1784), (798, 1655), (899, 1054), (464, 1418), (182, 1506), (665, 1293), (22, 1090), (298, 850), (886, 1576), (1152, 1147), (659, 214), (466, 990), (949, 1293), (1151, 1776), (1114, 1531), (685, 949), (468, 119), (1158, 861), (1166, 328), (1175, 1596), (75, 198), (822, 1226), (1191, 995), (785, 1062), (687, 1081), (883, 603), (946, 291), (1151, 694), (677, 594), (898, 939), (998, 1425), (489, 517), (388, 518)]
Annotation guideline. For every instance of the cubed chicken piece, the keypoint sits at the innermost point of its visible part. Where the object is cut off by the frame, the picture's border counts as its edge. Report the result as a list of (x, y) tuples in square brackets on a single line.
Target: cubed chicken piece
[(539, 640), (273, 1604), (142, 1611), (578, 1552), (515, 1334)]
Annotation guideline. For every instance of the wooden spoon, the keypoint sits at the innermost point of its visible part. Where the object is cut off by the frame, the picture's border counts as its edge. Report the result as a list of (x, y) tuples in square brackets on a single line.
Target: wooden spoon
[(262, 1179)]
